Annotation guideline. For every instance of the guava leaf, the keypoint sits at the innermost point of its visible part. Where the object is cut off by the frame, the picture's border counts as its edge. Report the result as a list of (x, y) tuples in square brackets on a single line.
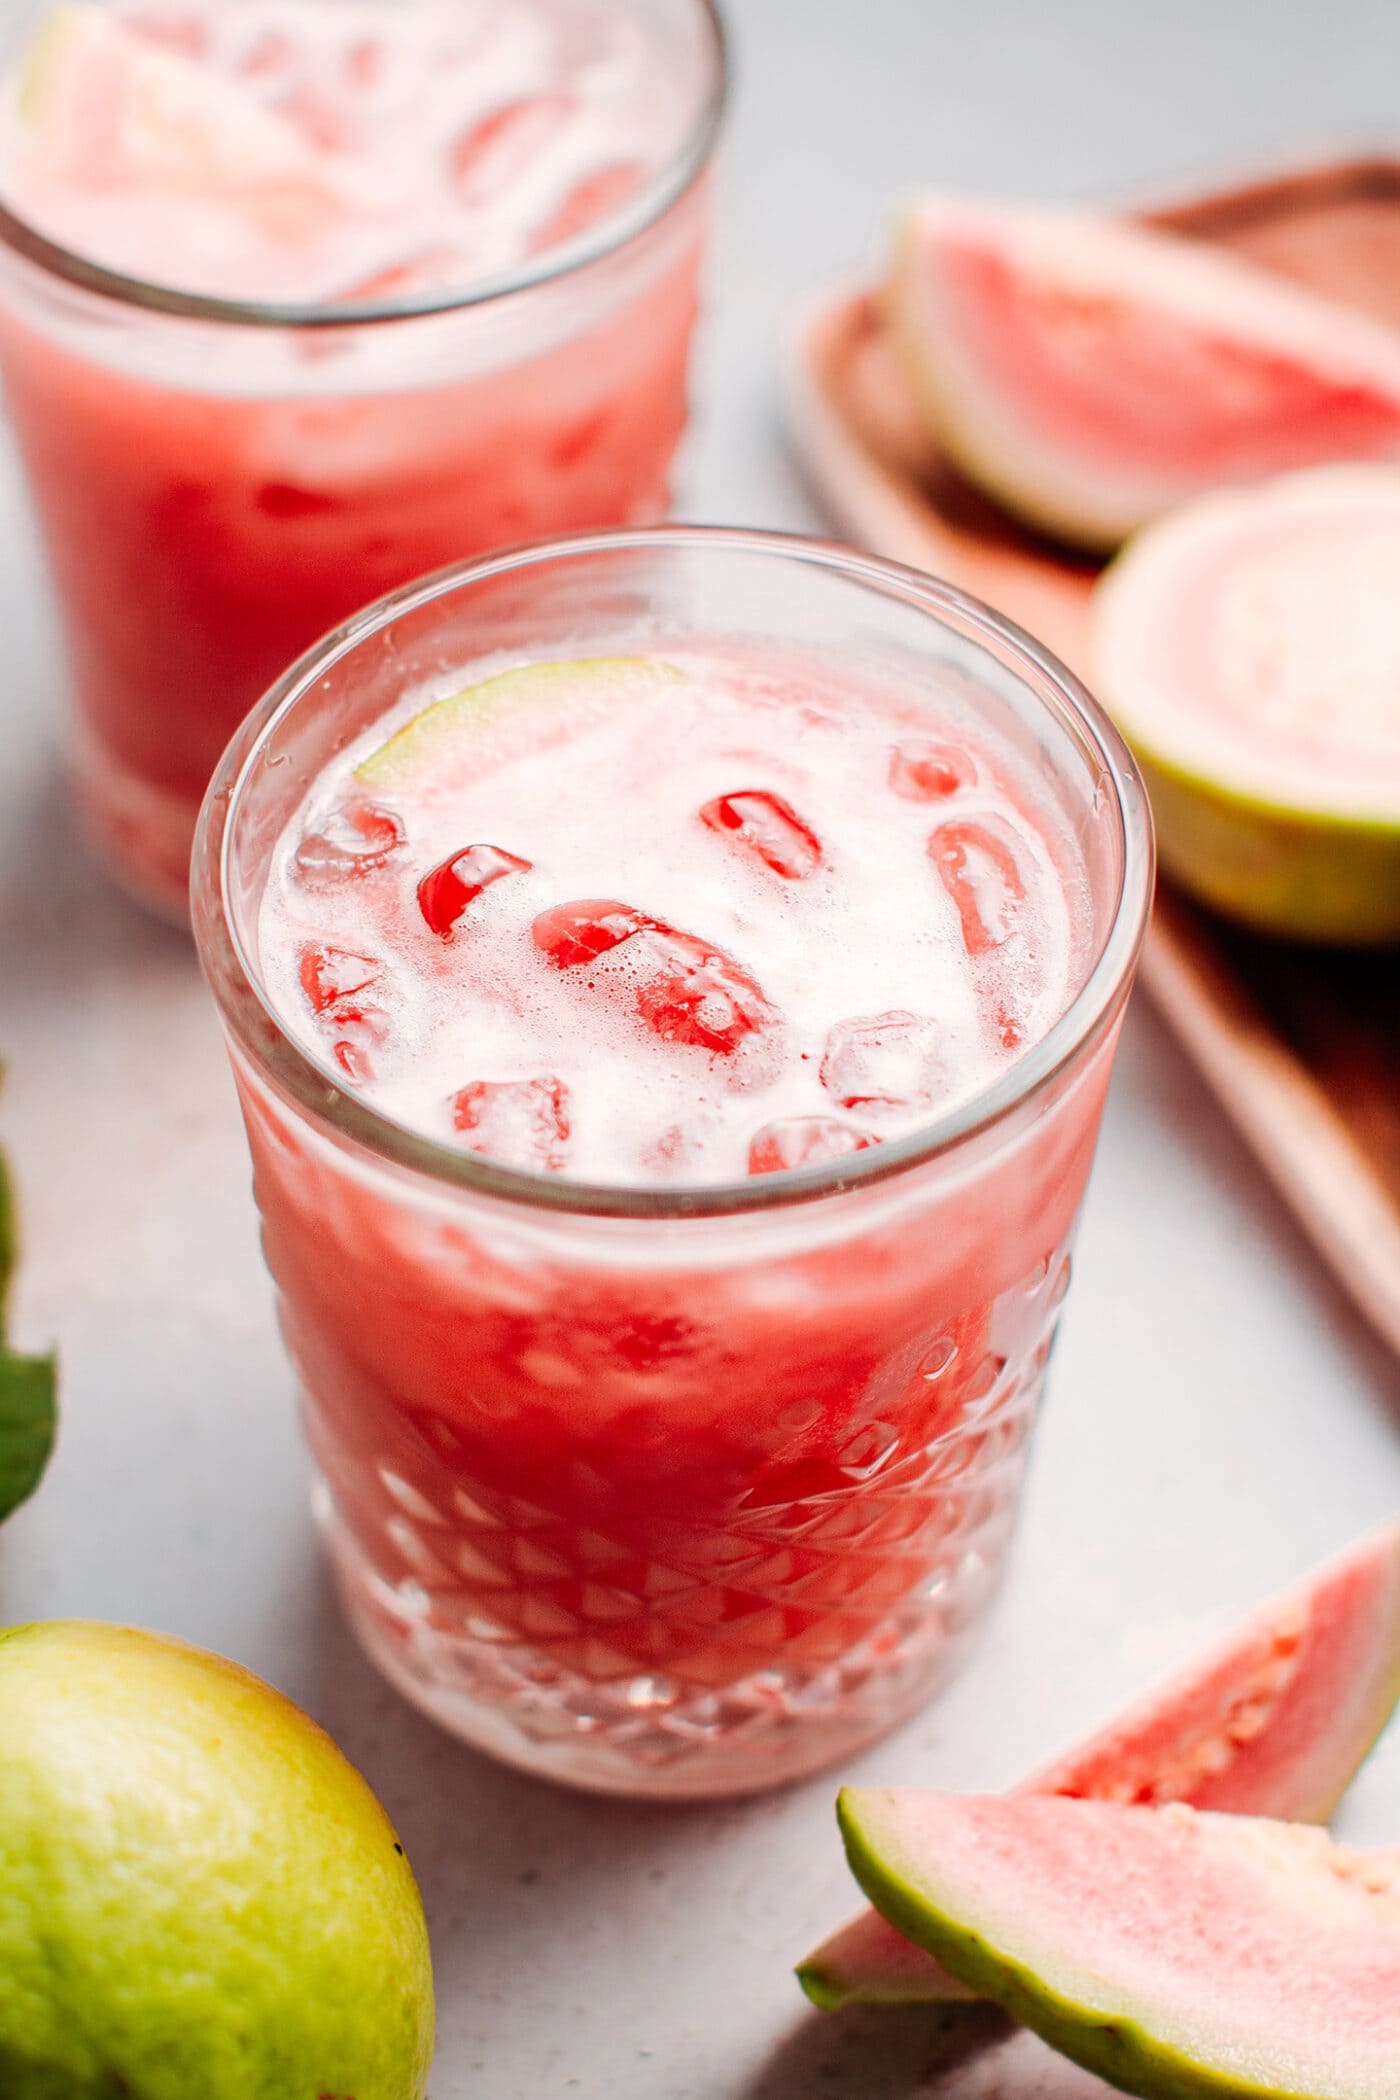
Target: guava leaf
[(28, 1384), (28, 1420)]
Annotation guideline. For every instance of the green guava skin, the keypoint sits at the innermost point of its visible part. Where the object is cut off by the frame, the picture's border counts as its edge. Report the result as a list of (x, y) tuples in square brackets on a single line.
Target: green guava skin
[(1301, 876), (1117, 2049), (869, 1963), (200, 1898)]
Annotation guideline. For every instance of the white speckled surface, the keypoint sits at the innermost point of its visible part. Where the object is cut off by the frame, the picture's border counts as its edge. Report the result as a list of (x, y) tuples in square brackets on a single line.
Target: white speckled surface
[(1218, 1416)]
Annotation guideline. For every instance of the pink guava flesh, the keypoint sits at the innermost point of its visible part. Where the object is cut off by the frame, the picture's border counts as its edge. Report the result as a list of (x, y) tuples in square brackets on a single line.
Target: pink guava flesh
[(1173, 1950), (1248, 646), (1091, 374), (1124, 381), (1276, 1720), (1273, 1721)]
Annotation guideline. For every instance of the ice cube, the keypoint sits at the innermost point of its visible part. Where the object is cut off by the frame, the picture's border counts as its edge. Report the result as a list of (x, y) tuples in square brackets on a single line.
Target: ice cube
[(494, 154), (520, 1122), (447, 890), (574, 933), (685, 989), (337, 985), (272, 53), (803, 1141), (430, 269), (335, 979), (977, 867), (883, 1062), (690, 992), (924, 771), (357, 1040), (588, 202), (767, 827), (584, 39), (318, 117), (185, 33), (354, 840), (364, 63)]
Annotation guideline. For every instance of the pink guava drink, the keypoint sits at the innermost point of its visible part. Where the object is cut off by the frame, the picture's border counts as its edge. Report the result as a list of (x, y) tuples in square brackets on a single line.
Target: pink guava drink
[(302, 298), (671, 980)]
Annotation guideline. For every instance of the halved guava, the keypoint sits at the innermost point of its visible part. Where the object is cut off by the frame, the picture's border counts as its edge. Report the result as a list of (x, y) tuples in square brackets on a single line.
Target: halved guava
[(104, 110), (1175, 1952), (1249, 648), (1273, 1721), (458, 739), (1091, 374)]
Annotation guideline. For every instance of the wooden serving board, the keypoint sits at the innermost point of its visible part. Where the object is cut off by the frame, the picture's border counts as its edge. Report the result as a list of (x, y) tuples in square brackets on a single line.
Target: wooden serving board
[(1301, 1045)]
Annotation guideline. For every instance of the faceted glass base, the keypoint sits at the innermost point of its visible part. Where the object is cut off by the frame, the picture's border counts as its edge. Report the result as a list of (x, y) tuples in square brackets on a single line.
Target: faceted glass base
[(649, 1736)]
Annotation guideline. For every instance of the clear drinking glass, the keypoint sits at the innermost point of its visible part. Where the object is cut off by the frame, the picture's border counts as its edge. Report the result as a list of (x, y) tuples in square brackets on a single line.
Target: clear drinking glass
[(219, 481), (670, 1491)]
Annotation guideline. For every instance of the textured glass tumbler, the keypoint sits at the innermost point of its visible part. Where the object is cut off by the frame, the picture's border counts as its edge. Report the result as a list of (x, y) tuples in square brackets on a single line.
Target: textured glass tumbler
[(218, 481), (667, 1491)]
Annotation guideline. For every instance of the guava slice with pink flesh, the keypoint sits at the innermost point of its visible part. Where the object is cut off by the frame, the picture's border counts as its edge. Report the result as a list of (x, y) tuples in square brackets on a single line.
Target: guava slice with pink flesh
[(1176, 1953), (1275, 1720), (1248, 646), (1091, 374), (529, 708)]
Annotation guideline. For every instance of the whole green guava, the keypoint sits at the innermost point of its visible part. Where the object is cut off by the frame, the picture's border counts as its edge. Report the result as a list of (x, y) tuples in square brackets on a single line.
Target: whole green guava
[(200, 1898)]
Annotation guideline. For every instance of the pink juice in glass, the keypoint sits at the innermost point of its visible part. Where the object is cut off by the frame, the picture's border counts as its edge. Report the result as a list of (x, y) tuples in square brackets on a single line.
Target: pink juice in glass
[(666, 1162), (301, 298)]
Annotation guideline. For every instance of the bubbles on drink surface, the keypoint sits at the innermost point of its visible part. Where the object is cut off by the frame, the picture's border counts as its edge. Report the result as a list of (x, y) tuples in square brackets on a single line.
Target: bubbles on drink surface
[(641, 972), (679, 1152)]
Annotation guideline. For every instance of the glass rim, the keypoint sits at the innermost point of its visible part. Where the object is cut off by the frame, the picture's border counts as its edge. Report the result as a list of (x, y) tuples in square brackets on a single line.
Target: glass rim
[(615, 231), (1091, 1011)]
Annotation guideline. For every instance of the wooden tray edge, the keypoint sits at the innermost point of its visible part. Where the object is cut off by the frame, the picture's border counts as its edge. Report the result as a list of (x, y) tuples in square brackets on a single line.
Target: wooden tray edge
[(1284, 1116)]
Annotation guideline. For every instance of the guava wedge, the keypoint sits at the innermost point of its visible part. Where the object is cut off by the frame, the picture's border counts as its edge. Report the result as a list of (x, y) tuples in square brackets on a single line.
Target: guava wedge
[(1249, 648), (1090, 374), (458, 739), (1177, 1953), (102, 109), (1274, 1720)]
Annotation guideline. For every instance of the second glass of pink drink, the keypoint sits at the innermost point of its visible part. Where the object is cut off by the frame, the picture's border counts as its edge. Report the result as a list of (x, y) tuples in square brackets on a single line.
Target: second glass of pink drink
[(302, 298), (671, 979)]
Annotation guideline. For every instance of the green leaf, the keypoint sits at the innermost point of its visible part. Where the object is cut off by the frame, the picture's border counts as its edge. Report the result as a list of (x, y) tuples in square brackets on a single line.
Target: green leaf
[(28, 1384), (28, 1420)]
